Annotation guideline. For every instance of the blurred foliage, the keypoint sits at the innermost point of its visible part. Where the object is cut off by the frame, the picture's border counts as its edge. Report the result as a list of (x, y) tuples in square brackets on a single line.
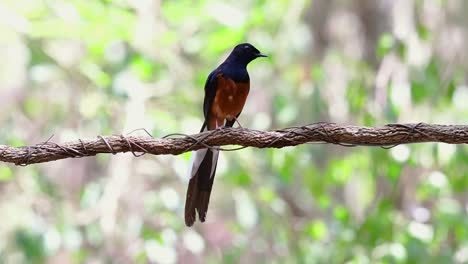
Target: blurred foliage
[(76, 69)]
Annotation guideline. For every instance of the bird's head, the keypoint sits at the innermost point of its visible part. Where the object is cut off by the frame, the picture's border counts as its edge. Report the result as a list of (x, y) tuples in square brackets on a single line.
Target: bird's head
[(245, 53)]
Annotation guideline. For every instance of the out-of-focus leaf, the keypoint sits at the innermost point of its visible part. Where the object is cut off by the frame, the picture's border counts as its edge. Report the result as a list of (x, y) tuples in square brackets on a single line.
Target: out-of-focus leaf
[(31, 244), (423, 32), (427, 84), (240, 178), (324, 201), (385, 44), (143, 68), (394, 170), (318, 74), (33, 107), (357, 96), (341, 214), (266, 194), (91, 195), (317, 230), (5, 173), (16, 142)]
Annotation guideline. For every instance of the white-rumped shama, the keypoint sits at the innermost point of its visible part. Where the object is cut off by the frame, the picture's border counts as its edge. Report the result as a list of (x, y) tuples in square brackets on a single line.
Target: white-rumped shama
[(226, 90)]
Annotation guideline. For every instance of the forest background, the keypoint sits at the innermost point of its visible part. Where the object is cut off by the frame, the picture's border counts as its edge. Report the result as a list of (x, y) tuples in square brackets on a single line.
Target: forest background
[(78, 69)]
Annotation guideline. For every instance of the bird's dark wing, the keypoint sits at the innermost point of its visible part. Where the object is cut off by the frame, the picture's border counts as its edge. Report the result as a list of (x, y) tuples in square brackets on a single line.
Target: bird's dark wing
[(211, 87), (201, 180)]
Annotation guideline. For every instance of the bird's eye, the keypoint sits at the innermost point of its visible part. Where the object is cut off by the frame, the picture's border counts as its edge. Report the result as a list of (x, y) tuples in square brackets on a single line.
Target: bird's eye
[(246, 47)]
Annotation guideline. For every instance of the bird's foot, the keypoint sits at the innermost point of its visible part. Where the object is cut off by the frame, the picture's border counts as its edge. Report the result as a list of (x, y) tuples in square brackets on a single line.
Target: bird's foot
[(237, 121)]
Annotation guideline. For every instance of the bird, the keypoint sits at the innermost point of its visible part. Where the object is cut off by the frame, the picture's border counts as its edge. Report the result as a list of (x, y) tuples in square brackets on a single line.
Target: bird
[(226, 90)]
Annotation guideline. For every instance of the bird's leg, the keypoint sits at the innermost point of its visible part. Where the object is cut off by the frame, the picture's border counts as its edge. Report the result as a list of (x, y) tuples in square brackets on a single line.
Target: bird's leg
[(218, 126), (237, 121)]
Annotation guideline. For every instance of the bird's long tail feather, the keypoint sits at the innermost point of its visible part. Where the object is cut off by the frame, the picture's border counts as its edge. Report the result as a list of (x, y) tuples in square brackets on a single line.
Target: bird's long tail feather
[(202, 172)]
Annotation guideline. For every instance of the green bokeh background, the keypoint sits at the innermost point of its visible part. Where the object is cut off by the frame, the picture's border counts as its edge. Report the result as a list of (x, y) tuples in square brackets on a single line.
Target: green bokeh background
[(77, 69)]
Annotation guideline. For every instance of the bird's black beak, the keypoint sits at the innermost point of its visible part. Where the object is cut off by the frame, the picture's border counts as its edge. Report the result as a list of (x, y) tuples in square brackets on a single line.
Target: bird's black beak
[(261, 55)]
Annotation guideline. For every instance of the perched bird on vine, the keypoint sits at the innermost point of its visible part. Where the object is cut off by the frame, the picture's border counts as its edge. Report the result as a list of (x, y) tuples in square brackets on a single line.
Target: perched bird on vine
[(226, 90)]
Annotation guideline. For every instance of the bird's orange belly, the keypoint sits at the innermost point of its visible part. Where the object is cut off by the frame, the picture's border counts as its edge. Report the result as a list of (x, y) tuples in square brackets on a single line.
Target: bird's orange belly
[(228, 102)]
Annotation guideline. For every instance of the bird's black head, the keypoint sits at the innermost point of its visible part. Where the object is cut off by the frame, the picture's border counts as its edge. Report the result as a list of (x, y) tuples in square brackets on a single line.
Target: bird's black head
[(245, 53)]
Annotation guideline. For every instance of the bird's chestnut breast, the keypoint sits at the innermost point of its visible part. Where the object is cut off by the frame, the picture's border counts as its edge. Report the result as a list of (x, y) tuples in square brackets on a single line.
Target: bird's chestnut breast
[(229, 99)]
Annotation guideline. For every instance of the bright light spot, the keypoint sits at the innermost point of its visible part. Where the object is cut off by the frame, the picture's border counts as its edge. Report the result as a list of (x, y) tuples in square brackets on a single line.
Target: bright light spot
[(419, 52), (66, 11), (380, 251), (125, 82), (445, 152), (401, 94), (227, 14), (403, 25), (72, 239), (245, 209), (425, 158), (68, 135), (287, 114), (169, 198), (134, 225), (222, 166), (194, 242), (43, 73), (437, 179), (90, 104), (400, 153), (66, 52), (261, 121), (460, 97), (338, 109), (449, 206), (91, 195), (183, 168), (461, 256), (191, 125), (52, 240), (115, 52), (423, 232), (169, 236), (279, 206), (398, 251), (421, 214), (300, 37), (9, 18), (160, 253)]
